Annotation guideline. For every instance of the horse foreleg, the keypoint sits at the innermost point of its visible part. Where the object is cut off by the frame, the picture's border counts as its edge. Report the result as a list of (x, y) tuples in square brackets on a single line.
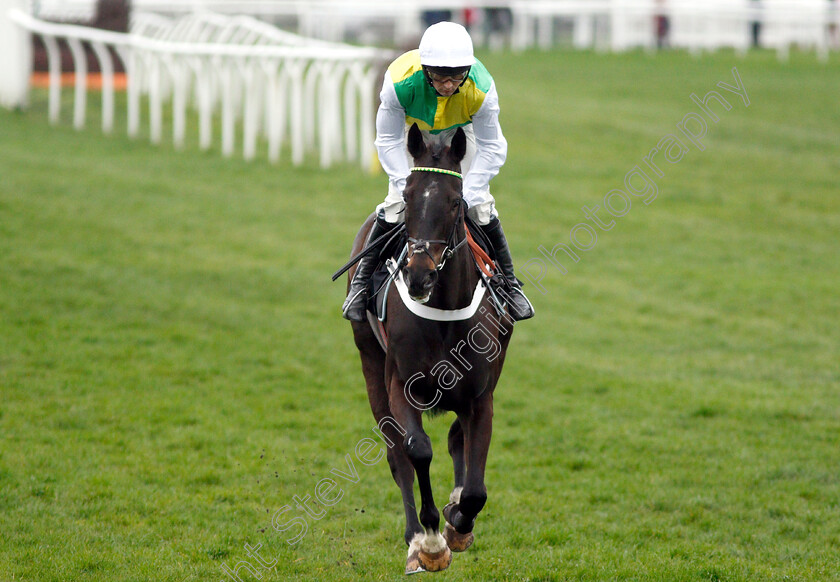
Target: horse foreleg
[(477, 426), (402, 470), (456, 451), (457, 542), (403, 473), (428, 548)]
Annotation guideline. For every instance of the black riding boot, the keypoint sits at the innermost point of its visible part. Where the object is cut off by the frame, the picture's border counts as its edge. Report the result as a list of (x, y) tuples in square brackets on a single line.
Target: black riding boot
[(518, 305), (355, 305)]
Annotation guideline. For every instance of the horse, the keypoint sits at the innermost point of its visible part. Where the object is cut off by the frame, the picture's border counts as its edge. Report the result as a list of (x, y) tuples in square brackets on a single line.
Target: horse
[(435, 361)]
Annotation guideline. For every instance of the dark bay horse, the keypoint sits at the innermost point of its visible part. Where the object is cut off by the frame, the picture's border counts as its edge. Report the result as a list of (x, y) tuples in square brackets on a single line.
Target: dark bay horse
[(446, 345)]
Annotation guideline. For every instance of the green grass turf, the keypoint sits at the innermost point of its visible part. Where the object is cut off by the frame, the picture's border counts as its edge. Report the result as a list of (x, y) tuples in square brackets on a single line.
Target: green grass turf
[(174, 368)]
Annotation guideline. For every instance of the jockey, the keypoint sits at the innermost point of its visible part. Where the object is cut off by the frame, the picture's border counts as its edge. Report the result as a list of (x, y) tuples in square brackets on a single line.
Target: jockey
[(440, 87)]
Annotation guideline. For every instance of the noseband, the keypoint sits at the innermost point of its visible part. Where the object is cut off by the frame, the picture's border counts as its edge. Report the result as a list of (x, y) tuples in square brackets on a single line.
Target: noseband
[(420, 246)]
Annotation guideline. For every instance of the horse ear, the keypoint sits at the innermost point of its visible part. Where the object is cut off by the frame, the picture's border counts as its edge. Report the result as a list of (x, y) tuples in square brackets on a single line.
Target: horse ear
[(416, 145), (458, 147)]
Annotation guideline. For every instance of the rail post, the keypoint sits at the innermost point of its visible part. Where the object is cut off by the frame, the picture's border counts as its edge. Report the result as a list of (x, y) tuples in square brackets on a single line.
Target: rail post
[(16, 61)]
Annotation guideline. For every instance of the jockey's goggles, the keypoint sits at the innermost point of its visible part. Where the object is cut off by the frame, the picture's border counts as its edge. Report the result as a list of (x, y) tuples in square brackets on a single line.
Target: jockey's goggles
[(444, 74)]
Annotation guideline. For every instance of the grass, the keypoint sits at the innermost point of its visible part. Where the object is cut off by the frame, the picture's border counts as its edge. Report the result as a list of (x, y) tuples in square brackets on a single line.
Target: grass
[(174, 368)]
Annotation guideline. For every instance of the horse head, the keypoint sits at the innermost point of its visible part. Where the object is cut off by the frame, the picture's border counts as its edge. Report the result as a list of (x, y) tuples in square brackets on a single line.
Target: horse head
[(434, 207)]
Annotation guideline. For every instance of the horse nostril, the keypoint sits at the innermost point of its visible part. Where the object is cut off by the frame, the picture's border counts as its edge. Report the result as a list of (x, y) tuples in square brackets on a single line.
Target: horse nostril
[(430, 279)]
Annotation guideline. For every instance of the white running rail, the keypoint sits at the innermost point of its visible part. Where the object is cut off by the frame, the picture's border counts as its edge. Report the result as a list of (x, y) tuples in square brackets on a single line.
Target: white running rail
[(269, 81)]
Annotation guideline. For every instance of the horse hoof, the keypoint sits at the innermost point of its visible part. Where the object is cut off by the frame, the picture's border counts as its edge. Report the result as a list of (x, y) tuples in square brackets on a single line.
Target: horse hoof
[(457, 542), (412, 563), (447, 509), (437, 561)]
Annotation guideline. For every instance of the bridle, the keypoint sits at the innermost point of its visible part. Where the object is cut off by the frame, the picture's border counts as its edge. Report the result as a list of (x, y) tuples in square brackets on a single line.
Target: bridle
[(419, 246)]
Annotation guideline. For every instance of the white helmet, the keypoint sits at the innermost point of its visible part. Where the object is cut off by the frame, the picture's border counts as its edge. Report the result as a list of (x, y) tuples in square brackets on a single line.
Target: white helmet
[(446, 44)]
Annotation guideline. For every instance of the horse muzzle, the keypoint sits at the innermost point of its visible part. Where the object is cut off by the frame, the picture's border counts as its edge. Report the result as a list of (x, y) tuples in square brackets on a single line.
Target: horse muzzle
[(420, 283)]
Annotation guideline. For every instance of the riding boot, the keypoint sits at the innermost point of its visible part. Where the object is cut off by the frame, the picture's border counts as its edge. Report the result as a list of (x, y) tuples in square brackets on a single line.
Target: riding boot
[(355, 305), (518, 305)]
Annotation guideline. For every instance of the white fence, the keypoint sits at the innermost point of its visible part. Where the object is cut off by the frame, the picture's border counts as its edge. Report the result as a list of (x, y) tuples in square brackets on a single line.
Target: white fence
[(283, 88), (15, 58), (272, 83)]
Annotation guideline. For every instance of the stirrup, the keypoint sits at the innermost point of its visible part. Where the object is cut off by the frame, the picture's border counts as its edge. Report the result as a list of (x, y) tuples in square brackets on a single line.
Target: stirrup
[(519, 312), (513, 295)]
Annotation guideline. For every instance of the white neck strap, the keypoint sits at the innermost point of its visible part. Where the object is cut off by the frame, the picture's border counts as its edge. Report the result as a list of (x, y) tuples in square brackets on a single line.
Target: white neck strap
[(434, 314)]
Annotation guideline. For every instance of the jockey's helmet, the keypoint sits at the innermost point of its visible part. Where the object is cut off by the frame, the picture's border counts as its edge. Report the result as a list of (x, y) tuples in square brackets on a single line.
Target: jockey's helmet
[(446, 50)]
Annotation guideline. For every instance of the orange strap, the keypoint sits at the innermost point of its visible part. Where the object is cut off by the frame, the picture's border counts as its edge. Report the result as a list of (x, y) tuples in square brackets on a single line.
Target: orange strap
[(482, 259)]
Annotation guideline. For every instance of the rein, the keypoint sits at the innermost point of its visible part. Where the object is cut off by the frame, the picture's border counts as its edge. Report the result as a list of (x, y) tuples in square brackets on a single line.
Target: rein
[(419, 246)]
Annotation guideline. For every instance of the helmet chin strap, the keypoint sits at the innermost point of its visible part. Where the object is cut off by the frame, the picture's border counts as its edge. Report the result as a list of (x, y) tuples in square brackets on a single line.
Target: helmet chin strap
[(455, 92)]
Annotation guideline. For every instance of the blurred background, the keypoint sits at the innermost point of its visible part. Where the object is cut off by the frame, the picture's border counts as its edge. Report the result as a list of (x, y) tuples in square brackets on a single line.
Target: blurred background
[(602, 24), (233, 58)]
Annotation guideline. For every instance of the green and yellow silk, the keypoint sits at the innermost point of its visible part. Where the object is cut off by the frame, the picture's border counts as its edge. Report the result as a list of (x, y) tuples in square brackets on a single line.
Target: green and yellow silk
[(422, 104)]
